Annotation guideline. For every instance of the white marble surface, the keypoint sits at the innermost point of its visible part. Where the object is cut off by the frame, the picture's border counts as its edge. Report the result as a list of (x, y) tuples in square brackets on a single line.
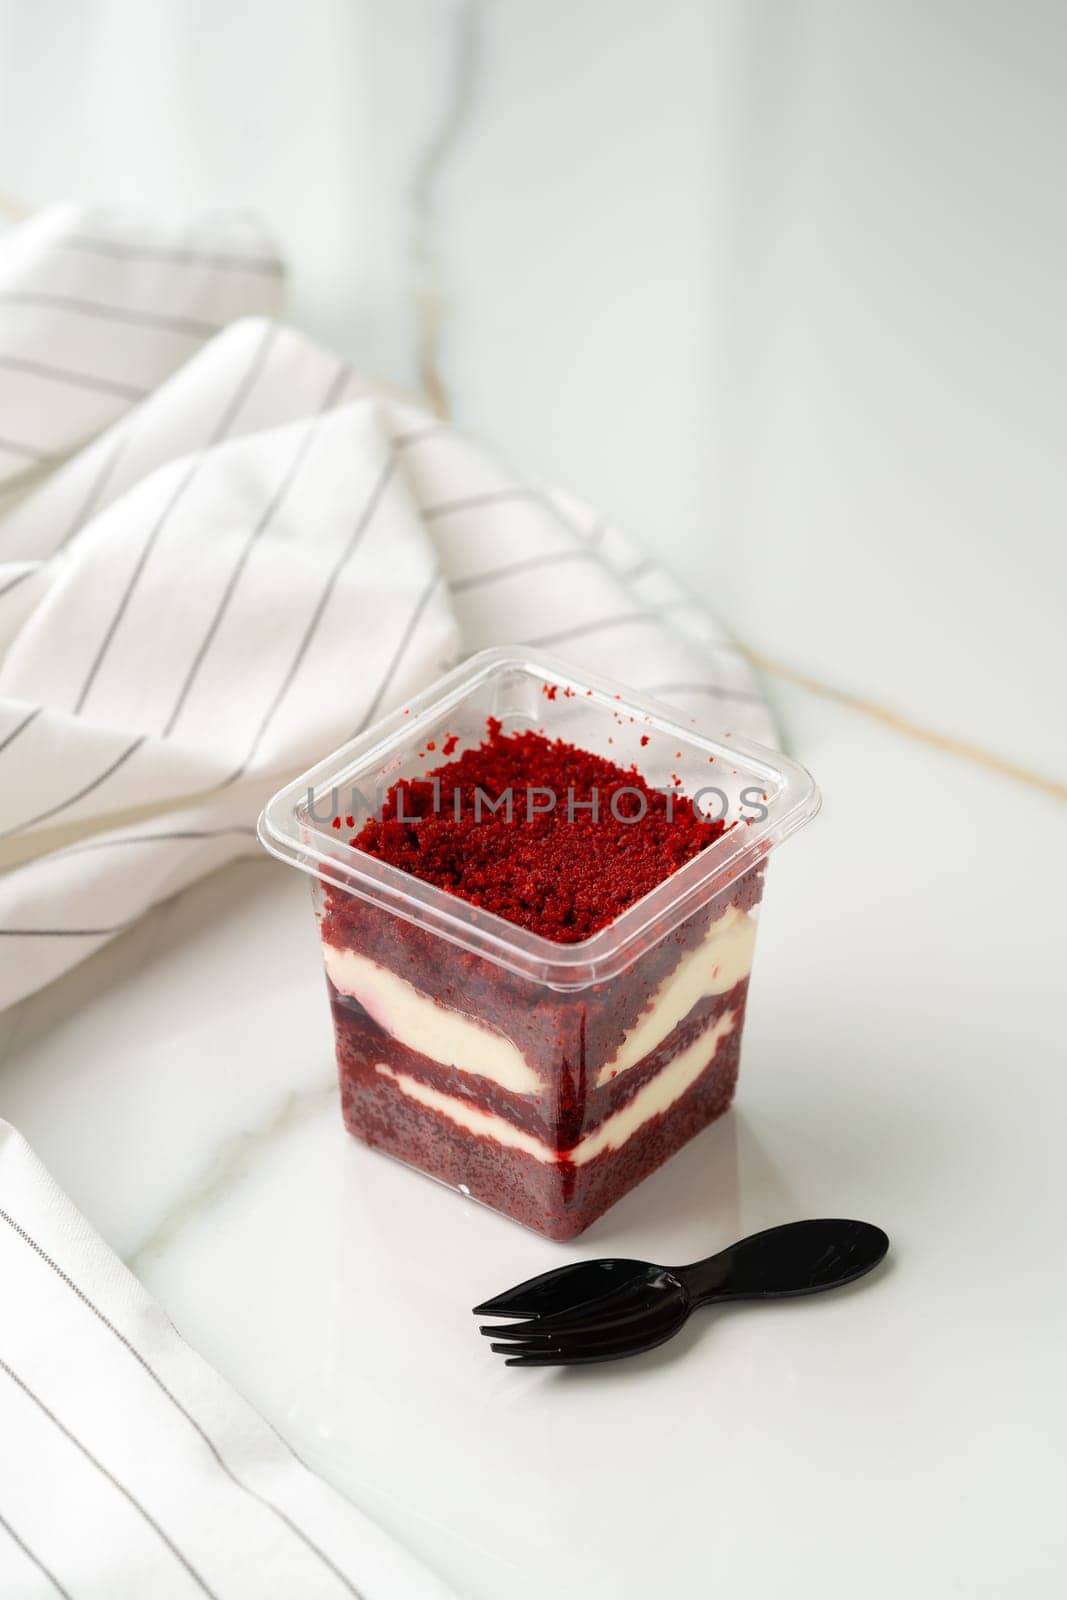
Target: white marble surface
[(903, 1061), (811, 255)]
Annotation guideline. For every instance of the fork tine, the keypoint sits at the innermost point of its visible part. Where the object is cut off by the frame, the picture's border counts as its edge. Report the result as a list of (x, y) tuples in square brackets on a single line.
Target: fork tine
[(565, 1361), (522, 1350), (630, 1302), (603, 1342), (579, 1336), (550, 1330), (570, 1354), (536, 1361), (560, 1289)]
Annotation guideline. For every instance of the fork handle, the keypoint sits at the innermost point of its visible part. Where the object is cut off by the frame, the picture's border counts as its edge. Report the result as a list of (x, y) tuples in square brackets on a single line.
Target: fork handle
[(797, 1258)]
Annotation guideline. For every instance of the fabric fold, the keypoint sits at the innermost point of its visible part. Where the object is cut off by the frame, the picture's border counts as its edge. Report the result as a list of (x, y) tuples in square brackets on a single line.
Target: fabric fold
[(256, 555), (160, 1480)]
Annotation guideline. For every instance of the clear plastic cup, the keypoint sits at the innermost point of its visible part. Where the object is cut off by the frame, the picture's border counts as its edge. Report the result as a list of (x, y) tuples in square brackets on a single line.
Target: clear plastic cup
[(543, 1079)]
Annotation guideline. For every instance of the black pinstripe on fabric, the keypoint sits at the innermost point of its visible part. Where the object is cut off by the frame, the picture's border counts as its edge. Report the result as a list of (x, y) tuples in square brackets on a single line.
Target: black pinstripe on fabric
[(85, 509), (471, 502), (75, 380), (35, 1559), (222, 428), (116, 1483), (513, 568), (518, 492), (337, 384), (363, 522), (600, 625), (151, 1373), (13, 735), (398, 654), (153, 838), (193, 327), (224, 260), (54, 811), (100, 482), (401, 442)]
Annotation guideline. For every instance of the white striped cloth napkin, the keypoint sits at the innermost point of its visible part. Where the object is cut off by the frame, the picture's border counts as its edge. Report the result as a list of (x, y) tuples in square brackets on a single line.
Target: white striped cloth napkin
[(128, 1469), (221, 555)]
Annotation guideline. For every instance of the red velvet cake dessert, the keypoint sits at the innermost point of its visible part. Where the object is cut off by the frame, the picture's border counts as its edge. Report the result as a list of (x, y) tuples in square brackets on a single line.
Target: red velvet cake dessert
[(546, 1102), (537, 938)]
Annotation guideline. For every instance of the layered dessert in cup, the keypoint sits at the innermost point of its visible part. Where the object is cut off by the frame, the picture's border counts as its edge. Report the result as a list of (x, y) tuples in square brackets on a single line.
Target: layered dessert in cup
[(537, 897)]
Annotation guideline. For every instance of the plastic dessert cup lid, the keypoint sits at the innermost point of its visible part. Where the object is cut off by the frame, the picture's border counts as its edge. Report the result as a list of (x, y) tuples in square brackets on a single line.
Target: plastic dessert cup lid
[(296, 824)]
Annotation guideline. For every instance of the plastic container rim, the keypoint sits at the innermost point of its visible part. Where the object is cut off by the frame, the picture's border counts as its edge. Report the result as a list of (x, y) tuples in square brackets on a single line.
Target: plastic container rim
[(793, 799)]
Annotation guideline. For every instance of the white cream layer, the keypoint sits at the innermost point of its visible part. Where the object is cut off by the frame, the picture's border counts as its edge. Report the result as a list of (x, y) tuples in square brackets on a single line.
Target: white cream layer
[(654, 1097), (722, 958), (453, 1039), (422, 1024)]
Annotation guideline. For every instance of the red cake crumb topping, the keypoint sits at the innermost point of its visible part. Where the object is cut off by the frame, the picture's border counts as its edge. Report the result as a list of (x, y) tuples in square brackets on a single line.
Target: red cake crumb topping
[(562, 876)]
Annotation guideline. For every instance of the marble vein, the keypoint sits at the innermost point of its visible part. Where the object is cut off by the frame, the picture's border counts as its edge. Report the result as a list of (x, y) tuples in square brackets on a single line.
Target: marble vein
[(429, 299), (905, 726), (226, 1168)]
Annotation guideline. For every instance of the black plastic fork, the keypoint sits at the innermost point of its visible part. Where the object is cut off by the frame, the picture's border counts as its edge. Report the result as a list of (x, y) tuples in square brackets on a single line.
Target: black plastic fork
[(605, 1310)]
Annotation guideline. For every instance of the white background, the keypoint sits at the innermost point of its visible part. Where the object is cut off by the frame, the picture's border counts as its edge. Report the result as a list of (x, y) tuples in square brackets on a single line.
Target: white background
[(780, 286), (792, 269)]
